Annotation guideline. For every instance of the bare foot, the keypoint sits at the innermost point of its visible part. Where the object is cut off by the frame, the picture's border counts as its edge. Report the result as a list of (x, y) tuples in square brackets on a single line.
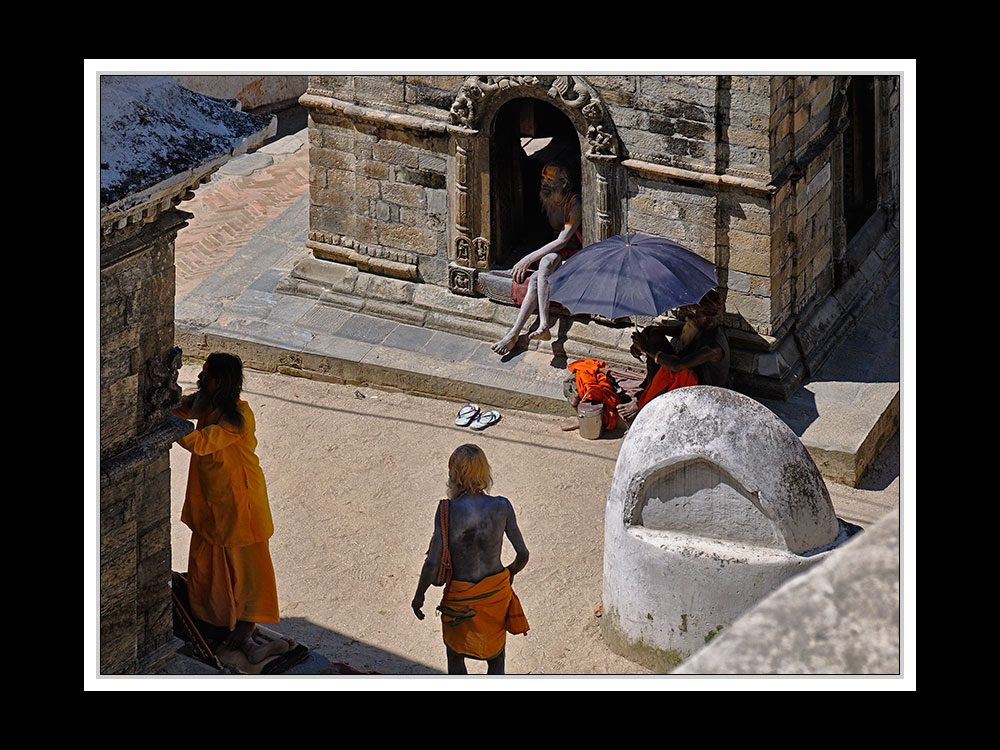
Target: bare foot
[(240, 635), (542, 334), (504, 345), (628, 410), (259, 647)]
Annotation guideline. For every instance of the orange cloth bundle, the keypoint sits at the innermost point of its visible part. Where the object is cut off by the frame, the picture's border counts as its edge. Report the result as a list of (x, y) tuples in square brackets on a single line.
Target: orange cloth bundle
[(664, 380), (593, 384), (476, 617)]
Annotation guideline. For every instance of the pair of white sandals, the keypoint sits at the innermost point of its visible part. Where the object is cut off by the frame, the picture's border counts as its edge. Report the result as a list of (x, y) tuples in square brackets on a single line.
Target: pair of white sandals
[(470, 416)]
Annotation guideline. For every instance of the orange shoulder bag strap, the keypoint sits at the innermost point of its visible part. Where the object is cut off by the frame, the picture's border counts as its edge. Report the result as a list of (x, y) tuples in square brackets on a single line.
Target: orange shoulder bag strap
[(444, 572)]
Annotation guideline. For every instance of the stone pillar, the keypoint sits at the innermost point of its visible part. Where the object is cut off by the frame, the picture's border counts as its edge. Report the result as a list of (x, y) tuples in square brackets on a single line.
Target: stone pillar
[(714, 503), (139, 365), (159, 142)]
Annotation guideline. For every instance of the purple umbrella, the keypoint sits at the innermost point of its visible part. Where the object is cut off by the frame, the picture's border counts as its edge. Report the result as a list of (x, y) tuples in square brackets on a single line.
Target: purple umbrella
[(631, 275)]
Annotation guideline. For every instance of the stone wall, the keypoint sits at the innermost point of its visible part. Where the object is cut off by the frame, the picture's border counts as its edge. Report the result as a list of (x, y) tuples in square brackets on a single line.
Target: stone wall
[(803, 222), (137, 325), (704, 123), (746, 171), (135, 607), (138, 385), (376, 190)]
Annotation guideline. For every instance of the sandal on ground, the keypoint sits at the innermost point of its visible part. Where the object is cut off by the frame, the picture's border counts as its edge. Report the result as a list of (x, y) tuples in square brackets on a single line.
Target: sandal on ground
[(466, 414), (486, 419)]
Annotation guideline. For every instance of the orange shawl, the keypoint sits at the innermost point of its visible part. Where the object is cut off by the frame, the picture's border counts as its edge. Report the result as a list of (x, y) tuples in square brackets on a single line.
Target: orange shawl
[(476, 617), (664, 380)]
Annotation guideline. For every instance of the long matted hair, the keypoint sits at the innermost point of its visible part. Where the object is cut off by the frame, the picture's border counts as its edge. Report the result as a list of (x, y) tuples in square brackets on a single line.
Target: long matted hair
[(555, 180), (468, 471), (227, 368)]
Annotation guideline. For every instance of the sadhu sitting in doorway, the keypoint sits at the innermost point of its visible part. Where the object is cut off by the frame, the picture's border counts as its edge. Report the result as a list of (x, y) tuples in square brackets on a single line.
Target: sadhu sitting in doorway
[(561, 204)]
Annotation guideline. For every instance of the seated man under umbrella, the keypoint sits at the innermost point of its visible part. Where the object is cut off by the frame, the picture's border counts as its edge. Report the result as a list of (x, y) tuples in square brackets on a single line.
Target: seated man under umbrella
[(699, 355)]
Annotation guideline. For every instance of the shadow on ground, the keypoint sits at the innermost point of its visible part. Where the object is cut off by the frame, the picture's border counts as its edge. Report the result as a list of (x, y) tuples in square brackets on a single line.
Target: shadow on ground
[(339, 648)]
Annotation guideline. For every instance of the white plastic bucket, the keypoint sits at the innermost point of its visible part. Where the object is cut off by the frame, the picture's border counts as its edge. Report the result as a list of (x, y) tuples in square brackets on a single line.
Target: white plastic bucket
[(591, 419)]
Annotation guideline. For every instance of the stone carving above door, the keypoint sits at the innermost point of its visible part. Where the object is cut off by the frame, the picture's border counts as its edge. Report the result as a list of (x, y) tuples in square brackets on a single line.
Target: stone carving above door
[(480, 96)]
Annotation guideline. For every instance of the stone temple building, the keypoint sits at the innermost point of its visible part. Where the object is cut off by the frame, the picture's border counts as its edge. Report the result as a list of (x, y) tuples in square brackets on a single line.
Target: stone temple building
[(424, 194)]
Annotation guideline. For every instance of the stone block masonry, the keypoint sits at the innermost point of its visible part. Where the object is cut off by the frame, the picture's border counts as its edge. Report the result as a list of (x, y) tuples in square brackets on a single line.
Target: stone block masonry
[(746, 170), (378, 186), (137, 328)]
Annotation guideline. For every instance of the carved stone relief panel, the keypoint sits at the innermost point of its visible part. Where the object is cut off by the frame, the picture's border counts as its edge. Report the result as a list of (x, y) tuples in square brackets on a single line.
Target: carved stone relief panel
[(463, 250), (162, 391), (481, 245), (462, 280), (480, 97), (469, 251)]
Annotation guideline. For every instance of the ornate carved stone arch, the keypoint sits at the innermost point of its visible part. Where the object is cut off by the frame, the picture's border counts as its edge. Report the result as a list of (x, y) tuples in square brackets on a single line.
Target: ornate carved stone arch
[(472, 118), (480, 97)]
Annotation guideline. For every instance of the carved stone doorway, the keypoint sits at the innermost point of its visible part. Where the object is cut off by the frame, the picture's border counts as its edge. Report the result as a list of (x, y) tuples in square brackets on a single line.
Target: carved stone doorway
[(495, 120), (527, 134)]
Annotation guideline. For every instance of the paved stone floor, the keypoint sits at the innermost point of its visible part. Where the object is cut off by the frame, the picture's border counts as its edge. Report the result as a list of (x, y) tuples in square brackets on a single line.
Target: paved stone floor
[(233, 207)]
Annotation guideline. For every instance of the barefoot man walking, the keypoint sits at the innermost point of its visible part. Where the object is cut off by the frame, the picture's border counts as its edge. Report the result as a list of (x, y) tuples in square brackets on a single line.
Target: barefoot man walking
[(478, 607)]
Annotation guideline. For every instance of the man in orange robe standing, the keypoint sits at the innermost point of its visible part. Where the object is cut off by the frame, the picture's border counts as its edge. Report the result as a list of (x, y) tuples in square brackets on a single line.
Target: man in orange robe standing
[(231, 580)]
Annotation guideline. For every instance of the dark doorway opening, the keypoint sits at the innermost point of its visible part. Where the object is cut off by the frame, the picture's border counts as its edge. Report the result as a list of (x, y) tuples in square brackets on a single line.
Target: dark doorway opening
[(860, 199), (527, 135)]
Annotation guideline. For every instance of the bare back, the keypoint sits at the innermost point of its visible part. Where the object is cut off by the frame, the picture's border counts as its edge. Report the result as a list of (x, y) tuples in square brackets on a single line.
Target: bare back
[(476, 528), (477, 524)]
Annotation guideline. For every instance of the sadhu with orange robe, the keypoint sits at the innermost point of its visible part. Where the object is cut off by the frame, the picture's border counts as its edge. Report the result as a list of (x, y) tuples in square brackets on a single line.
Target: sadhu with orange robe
[(231, 580), (479, 606), (699, 354)]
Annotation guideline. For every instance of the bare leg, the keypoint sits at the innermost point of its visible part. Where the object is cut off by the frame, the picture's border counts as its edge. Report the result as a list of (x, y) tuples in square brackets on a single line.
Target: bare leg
[(546, 266), (504, 345), (456, 662), (240, 634), (495, 665)]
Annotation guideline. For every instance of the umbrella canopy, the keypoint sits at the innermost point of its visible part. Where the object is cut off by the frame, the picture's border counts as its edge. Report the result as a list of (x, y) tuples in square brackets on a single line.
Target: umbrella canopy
[(631, 275)]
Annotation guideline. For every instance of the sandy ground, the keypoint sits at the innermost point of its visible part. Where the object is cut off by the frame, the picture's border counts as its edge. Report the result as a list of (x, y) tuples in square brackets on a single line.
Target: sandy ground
[(354, 483)]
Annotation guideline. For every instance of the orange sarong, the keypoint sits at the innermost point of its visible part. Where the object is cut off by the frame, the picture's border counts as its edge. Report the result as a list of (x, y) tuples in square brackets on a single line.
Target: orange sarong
[(227, 584), (476, 617), (664, 380)]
